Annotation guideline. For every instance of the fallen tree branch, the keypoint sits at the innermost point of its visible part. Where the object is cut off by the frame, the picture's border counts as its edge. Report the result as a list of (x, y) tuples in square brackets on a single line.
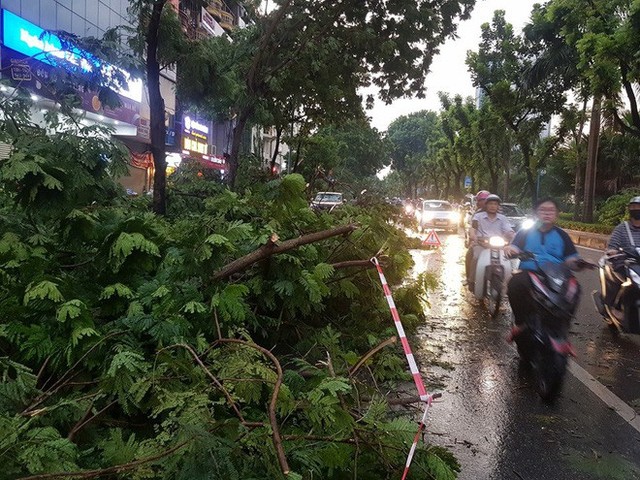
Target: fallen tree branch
[(217, 383), (107, 471), (370, 353), (274, 248), (353, 263), (277, 438)]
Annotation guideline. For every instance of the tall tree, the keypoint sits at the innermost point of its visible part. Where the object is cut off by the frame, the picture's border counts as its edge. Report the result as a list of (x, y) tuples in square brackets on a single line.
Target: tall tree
[(497, 68), (333, 48), (415, 139)]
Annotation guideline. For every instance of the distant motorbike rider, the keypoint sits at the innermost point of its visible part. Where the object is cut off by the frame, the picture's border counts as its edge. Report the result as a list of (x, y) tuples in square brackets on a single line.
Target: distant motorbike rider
[(549, 243), (485, 224), (625, 236), (481, 198)]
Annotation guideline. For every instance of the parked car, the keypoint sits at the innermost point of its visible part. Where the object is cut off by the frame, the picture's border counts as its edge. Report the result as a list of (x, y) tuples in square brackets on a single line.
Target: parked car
[(327, 201), (437, 214), (517, 218)]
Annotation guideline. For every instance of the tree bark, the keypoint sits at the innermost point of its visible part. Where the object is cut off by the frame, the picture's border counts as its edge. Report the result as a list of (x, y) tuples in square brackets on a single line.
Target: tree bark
[(236, 143), (592, 159), (272, 248), (156, 111), (274, 156)]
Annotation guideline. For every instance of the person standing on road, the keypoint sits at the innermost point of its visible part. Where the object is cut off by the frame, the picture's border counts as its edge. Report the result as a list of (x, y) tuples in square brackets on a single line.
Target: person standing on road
[(625, 236), (485, 224), (549, 243)]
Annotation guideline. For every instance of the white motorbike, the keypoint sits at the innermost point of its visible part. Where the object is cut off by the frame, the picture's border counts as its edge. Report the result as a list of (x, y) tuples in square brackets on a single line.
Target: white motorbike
[(492, 273)]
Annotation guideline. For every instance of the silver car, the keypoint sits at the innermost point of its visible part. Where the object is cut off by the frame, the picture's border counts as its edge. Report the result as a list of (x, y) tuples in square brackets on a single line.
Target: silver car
[(438, 214)]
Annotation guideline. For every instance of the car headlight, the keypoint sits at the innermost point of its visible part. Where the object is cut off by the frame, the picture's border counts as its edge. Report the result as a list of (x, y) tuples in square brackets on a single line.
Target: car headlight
[(497, 242), (454, 217), (418, 215), (427, 216), (528, 223)]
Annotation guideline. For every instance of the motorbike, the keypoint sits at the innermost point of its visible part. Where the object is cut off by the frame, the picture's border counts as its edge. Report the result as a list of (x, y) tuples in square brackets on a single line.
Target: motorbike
[(542, 339), (620, 272), (493, 271)]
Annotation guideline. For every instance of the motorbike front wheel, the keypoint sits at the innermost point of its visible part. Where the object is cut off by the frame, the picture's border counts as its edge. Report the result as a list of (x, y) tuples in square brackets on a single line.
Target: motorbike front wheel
[(493, 295)]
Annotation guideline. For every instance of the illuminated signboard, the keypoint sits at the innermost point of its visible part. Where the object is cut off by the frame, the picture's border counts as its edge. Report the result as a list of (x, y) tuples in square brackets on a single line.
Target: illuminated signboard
[(195, 135), (28, 39)]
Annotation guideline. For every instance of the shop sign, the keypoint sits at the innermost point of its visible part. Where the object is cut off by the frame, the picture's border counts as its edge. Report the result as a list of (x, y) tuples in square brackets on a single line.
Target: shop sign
[(32, 41), (195, 135)]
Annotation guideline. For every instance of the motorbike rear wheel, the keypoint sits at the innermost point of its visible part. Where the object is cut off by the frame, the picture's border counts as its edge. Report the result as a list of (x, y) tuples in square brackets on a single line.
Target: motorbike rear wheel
[(549, 372)]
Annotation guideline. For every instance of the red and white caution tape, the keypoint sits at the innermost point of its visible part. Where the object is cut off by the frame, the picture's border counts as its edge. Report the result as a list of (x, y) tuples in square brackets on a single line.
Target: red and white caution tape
[(417, 378)]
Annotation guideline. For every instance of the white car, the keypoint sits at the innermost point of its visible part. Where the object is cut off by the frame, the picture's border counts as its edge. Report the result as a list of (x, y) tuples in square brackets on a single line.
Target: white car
[(327, 200), (438, 214)]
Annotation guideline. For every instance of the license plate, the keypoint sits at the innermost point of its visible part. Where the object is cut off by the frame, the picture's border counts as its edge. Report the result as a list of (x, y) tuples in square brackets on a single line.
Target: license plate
[(440, 221)]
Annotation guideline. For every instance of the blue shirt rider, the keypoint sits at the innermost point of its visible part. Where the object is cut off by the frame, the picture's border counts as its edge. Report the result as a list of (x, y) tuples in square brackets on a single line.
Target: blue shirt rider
[(549, 243)]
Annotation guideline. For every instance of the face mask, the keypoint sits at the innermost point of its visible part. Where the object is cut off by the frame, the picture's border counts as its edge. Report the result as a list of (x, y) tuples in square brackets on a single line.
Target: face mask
[(635, 214)]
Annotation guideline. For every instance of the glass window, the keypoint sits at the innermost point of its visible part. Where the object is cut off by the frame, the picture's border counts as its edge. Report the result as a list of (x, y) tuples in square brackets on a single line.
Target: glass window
[(78, 25), (12, 6), (92, 12), (80, 7), (48, 16), (103, 16), (437, 206), (511, 211), (31, 11), (64, 19)]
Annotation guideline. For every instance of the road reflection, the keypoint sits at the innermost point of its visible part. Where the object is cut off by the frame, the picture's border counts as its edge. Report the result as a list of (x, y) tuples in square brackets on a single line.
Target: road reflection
[(474, 411)]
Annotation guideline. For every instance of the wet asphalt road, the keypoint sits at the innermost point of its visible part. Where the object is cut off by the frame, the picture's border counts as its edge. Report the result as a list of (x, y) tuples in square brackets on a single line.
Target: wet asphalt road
[(490, 415)]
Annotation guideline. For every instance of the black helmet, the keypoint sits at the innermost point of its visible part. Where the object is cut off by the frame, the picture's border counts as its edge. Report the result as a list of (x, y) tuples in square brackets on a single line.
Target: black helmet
[(495, 198), (634, 200)]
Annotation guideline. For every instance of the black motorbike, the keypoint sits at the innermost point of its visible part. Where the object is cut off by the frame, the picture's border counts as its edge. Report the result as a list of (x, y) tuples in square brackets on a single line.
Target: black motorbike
[(619, 298), (543, 338)]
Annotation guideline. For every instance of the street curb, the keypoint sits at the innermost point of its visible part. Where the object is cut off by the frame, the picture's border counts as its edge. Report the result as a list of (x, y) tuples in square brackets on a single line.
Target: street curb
[(596, 241)]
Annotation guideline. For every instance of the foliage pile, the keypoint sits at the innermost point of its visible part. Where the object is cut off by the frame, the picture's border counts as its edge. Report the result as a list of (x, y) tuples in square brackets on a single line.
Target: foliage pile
[(122, 354)]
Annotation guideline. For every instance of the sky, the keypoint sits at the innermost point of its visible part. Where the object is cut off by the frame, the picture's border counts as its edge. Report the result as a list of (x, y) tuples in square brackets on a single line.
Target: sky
[(448, 70)]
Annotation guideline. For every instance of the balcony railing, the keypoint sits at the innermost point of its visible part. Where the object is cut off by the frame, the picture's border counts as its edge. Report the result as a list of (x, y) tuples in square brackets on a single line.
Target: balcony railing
[(219, 9)]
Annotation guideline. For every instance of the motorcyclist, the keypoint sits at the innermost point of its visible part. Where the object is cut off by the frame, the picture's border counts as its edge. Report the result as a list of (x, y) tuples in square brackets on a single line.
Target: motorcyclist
[(549, 243), (485, 224), (625, 236)]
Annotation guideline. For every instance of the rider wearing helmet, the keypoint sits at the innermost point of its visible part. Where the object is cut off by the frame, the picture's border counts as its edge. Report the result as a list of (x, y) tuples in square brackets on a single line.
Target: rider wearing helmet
[(625, 236), (481, 198), (485, 224)]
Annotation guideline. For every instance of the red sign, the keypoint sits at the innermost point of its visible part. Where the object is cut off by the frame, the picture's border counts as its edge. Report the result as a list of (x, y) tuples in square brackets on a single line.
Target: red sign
[(432, 239)]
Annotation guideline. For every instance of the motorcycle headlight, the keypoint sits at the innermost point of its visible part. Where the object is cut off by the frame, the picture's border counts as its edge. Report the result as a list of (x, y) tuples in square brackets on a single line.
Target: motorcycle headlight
[(408, 209), (497, 242), (528, 223), (634, 276)]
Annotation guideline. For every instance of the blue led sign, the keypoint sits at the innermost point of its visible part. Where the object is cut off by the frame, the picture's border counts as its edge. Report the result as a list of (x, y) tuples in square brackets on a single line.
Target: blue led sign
[(28, 39)]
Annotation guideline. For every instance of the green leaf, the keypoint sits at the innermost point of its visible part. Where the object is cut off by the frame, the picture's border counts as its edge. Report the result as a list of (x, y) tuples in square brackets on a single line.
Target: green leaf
[(117, 289), (194, 307), (43, 290), (71, 309)]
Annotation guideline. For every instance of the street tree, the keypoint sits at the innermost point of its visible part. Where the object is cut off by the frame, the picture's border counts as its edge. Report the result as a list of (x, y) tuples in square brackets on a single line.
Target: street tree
[(415, 140), (320, 53), (497, 68)]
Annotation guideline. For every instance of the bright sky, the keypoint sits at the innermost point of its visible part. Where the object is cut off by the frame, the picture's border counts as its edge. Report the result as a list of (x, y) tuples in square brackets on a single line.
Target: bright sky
[(448, 70)]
